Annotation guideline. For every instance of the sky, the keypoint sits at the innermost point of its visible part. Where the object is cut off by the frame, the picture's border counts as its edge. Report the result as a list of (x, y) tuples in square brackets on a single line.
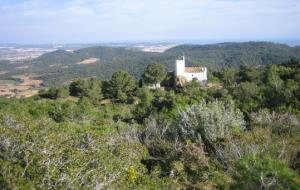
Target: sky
[(96, 21)]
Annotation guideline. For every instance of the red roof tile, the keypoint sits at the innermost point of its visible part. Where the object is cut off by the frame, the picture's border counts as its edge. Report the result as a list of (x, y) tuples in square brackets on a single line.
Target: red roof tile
[(194, 69)]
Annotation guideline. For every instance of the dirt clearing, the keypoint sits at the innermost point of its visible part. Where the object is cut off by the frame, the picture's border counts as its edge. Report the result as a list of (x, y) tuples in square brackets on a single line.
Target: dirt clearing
[(88, 61)]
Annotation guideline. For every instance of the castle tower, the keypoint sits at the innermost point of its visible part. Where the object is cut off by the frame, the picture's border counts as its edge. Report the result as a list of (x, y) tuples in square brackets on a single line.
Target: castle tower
[(180, 66)]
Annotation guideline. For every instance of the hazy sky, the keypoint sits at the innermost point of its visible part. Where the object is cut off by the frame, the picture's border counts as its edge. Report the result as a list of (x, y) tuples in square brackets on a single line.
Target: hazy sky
[(78, 21)]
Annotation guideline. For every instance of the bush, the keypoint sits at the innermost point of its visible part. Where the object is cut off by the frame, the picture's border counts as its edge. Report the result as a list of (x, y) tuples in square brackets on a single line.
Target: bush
[(54, 93), (264, 173), (90, 88), (279, 122), (164, 100), (213, 121), (44, 155), (144, 108), (213, 124), (193, 90)]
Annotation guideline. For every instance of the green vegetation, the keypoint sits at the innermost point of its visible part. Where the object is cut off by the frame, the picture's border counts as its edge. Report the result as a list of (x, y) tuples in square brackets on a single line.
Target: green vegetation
[(61, 66), (120, 87), (264, 173), (240, 131), (154, 74), (54, 93), (90, 88)]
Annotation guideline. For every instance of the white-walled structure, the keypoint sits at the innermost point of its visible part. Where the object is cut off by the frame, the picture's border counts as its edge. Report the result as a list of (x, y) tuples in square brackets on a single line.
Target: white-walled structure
[(189, 73)]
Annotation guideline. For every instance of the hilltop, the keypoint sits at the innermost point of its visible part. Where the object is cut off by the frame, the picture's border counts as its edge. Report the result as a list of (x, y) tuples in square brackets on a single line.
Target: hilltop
[(62, 66)]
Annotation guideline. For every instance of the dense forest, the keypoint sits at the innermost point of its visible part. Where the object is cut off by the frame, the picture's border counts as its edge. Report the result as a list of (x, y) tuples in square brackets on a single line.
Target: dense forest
[(62, 66), (239, 131)]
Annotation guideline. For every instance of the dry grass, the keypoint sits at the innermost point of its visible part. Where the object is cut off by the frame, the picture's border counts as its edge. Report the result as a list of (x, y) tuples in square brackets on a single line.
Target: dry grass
[(214, 85), (24, 67), (27, 87), (106, 102), (27, 93), (3, 72), (88, 61), (55, 65)]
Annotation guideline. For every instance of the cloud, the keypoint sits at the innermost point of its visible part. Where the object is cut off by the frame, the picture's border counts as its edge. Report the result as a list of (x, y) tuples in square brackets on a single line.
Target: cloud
[(113, 20)]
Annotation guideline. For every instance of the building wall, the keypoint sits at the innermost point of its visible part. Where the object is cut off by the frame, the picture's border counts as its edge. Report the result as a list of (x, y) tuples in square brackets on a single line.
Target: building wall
[(180, 67), (180, 71), (200, 76)]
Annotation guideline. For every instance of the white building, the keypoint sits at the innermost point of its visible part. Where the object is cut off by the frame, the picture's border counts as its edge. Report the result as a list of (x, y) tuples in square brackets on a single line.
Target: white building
[(183, 73)]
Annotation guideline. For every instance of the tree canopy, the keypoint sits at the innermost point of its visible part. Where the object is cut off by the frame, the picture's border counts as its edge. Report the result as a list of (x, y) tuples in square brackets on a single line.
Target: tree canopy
[(154, 73), (121, 86)]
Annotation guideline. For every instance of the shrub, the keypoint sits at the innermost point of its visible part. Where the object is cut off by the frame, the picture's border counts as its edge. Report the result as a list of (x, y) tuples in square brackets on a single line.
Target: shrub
[(278, 122), (193, 90), (211, 121), (144, 107), (264, 173), (212, 124), (54, 93), (44, 155), (90, 88)]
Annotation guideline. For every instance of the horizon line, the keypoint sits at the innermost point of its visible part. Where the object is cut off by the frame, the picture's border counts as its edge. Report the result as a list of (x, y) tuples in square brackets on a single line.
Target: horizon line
[(286, 41)]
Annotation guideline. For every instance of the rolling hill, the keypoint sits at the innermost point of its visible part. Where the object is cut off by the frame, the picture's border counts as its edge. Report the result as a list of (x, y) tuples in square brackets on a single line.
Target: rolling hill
[(61, 66)]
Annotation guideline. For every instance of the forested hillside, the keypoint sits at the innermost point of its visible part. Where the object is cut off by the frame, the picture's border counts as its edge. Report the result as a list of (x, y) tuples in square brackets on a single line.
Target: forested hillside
[(239, 131), (62, 66), (236, 54)]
